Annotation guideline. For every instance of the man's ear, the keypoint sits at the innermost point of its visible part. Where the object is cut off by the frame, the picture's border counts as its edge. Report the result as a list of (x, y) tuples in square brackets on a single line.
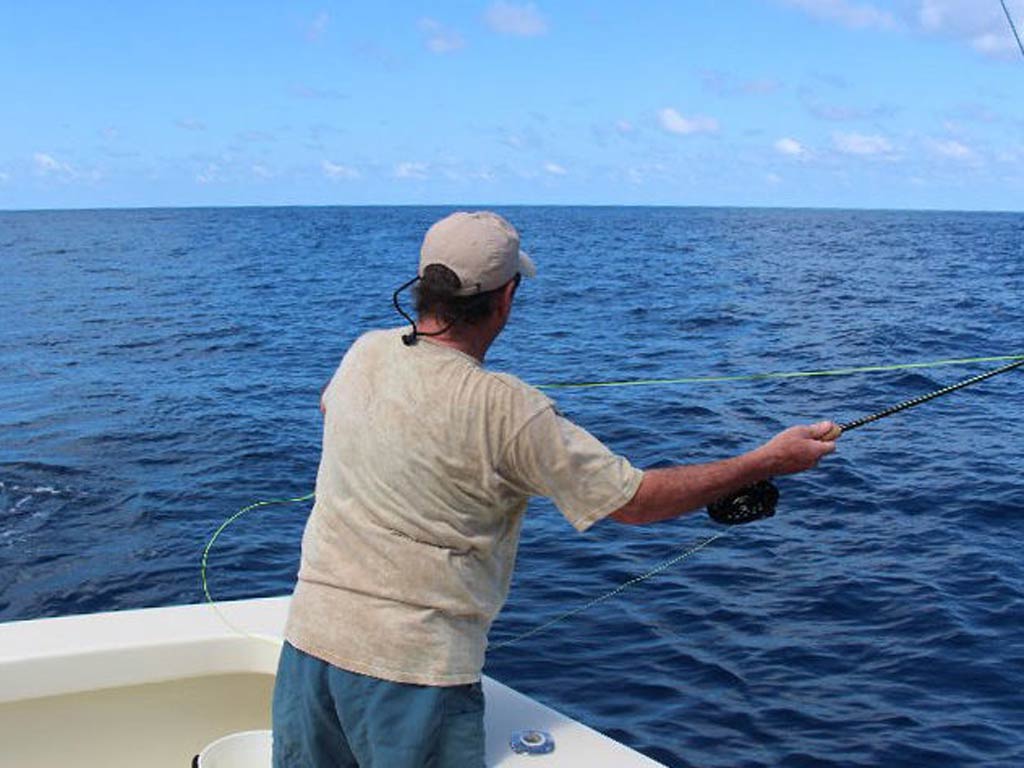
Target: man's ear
[(506, 296)]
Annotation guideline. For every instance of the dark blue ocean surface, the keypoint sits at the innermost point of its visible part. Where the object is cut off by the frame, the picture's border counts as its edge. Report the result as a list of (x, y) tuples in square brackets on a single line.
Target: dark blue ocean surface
[(161, 369)]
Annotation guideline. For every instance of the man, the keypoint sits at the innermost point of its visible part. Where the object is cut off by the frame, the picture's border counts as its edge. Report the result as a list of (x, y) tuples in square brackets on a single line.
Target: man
[(428, 462)]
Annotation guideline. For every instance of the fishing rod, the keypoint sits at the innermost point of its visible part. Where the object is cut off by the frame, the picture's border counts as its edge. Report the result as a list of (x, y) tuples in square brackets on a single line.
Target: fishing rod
[(916, 401), (1013, 27), (758, 501)]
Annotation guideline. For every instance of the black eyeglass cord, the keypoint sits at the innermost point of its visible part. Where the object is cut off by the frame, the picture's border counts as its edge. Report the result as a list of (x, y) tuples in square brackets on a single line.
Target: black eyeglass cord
[(410, 338)]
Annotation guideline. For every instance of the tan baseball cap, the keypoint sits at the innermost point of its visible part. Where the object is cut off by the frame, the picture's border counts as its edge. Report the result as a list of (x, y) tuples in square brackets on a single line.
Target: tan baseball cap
[(481, 248)]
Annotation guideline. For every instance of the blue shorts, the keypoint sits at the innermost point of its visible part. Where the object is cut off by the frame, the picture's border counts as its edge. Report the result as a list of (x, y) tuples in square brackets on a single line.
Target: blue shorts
[(326, 717)]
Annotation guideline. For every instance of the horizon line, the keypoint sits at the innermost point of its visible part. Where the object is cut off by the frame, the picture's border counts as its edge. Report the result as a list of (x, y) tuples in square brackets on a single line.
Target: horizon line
[(492, 205)]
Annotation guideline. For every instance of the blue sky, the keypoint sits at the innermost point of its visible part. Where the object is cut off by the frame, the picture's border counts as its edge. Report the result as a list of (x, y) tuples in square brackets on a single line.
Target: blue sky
[(830, 103)]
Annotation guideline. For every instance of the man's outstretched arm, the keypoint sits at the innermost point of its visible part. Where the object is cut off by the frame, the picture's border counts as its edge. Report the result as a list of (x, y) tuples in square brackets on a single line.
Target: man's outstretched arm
[(673, 491)]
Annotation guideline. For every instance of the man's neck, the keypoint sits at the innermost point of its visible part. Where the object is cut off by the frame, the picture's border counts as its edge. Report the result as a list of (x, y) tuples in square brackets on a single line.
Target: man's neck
[(473, 341)]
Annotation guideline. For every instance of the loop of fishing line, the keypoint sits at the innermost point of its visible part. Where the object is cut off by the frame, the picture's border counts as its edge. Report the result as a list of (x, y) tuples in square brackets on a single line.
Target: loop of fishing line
[(213, 539)]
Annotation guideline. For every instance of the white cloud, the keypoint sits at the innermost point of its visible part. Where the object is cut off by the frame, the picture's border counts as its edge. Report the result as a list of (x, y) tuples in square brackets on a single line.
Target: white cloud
[(315, 31), (980, 25), (255, 136), (1011, 154), (309, 92), (45, 162), (482, 174), (953, 149), (624, 127), (190, 124), (727, 84), (792, 147), (973, 112), (47, 165), (261, 172), (639, 174), (673, 122), (862, 144), (513, 19), (411, 171), (990, 43), (4, 177), (760, 86), (440, 39), (847, 13), (523, 172), (839, 113), (338, 171), (773, 178), (555, 169), (209, 175)]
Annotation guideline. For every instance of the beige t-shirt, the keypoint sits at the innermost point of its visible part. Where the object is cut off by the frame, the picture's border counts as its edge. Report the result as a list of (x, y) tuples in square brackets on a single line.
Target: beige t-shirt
[(428, 462)]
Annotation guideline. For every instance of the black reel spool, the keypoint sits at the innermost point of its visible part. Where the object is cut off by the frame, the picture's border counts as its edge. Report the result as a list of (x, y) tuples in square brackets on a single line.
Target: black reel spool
[(755, 502)]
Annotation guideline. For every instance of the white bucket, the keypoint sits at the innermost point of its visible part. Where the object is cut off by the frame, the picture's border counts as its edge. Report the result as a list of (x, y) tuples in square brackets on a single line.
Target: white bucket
[(246, 749)]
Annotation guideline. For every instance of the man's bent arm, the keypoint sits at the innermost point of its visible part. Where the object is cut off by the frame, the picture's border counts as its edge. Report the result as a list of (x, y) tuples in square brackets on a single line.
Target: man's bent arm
[(673, 491)]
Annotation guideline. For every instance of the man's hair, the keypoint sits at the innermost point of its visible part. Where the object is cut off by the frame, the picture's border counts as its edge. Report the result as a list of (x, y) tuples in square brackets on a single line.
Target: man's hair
[(435, 295)]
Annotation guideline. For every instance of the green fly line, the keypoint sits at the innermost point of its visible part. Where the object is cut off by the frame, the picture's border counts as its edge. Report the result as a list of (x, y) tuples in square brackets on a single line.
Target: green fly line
[(213, 539), (1017, 360), (775, 375)]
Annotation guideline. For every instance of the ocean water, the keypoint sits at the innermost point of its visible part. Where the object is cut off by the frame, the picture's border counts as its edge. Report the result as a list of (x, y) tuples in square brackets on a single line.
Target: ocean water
[(161, 369)]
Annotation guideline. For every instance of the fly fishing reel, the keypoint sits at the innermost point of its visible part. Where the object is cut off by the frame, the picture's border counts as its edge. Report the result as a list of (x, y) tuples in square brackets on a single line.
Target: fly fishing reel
[(755, 502), (758, 501)]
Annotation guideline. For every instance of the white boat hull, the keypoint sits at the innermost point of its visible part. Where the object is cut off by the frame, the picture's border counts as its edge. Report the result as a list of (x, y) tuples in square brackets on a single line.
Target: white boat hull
[(153, 687)]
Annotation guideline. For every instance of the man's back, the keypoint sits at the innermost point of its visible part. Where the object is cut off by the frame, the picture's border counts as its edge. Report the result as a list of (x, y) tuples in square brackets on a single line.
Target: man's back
[(415, 525)]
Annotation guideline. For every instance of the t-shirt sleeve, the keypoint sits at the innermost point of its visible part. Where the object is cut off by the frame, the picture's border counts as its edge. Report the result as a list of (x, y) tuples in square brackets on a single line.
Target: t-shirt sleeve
[(550, 456)]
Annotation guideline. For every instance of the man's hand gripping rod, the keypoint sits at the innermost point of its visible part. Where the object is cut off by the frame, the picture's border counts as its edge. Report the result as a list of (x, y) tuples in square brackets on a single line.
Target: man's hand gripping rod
[(758, 501)]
